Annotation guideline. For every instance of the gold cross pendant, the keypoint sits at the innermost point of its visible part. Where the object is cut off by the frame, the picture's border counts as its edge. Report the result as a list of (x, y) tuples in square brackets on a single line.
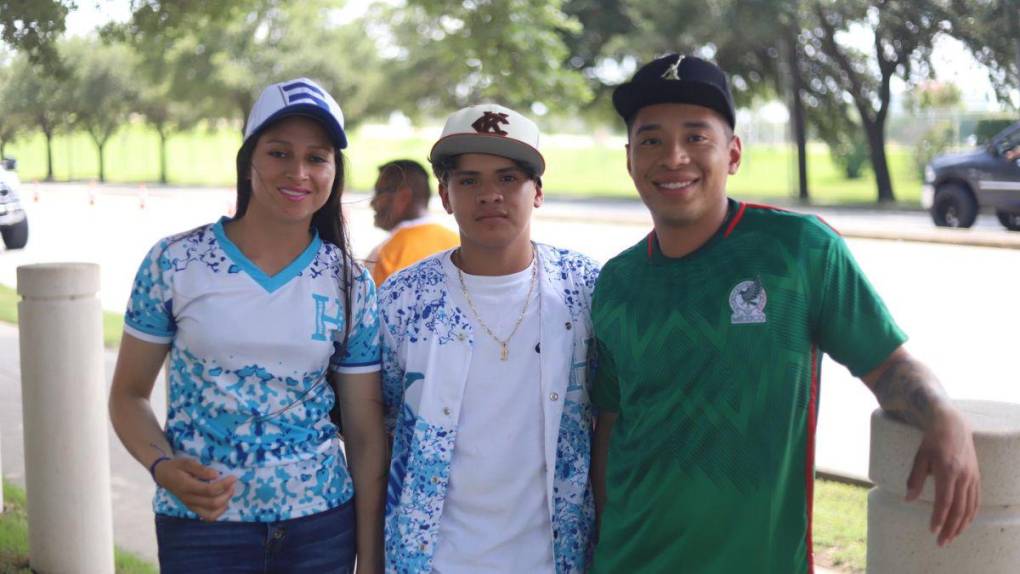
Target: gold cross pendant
[(504, 352)]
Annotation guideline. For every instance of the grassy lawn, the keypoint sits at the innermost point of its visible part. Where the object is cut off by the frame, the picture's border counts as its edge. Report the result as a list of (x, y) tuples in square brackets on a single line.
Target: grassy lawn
[(841, 525), (14, 539), (113, 324), (206, 156)]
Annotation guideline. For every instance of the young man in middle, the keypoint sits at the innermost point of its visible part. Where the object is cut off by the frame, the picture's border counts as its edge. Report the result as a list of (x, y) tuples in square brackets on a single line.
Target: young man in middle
[(485, 372)]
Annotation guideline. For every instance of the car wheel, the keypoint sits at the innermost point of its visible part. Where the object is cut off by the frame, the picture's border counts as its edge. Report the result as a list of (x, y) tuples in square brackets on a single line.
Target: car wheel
[(15, 236), (954, 206), (1011, 220)]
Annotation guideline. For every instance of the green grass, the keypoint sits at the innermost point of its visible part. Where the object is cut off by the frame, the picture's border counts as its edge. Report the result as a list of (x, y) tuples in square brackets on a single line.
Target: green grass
[(205, 156), (14, 539), (113, 324), (841, 525)]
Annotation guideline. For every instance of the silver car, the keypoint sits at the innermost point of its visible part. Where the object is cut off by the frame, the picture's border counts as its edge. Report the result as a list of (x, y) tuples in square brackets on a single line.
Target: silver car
[(13, 221)]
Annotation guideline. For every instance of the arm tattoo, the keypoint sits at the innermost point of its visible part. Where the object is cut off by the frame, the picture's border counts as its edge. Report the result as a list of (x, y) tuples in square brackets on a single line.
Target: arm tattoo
[(909, 391)]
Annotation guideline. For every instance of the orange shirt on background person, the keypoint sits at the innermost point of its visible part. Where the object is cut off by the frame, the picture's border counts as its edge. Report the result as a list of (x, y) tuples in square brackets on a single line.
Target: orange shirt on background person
[(409, 242)]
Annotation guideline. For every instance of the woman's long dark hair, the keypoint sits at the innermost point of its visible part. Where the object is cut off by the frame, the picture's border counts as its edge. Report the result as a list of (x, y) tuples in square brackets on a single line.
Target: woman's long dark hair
[(328, 221)]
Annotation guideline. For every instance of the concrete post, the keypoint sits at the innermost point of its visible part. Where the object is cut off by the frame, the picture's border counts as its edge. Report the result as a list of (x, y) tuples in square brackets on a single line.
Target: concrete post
[(898, 537), (67, 459), (1, 475)]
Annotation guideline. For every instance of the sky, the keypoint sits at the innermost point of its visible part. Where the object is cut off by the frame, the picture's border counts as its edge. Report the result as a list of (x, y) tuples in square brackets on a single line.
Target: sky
[(951, 61)]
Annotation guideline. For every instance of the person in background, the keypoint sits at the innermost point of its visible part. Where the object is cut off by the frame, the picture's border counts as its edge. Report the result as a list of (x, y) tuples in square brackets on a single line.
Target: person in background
[(401, 205)]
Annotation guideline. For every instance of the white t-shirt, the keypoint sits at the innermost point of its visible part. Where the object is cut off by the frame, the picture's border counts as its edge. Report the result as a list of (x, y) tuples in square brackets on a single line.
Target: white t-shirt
[(496, 515), (249, 356)]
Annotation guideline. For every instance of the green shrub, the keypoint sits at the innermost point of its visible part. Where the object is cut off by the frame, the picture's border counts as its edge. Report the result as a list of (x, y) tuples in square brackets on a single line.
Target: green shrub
[(851, 155)]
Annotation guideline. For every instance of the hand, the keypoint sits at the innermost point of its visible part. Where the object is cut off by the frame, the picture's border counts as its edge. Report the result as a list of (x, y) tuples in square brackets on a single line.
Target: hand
[(196, 486), (947, 451)]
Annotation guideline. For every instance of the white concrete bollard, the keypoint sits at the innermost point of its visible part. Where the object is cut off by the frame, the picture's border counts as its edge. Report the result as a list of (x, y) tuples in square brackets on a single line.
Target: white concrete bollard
[(1, 475), (898, 537), (67, 459)]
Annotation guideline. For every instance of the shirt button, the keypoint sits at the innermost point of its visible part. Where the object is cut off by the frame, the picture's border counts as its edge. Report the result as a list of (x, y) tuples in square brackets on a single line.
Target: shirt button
[(554, 396), (278, 534), (446, 411), (568, 325), (460, 337)]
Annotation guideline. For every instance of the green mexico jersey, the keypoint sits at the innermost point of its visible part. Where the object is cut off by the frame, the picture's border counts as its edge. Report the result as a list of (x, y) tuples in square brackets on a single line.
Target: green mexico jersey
[(712, 363)]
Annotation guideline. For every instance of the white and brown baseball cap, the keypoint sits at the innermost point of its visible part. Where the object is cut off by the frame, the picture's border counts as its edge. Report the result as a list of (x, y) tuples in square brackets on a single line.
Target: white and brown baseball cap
[(491, 129)]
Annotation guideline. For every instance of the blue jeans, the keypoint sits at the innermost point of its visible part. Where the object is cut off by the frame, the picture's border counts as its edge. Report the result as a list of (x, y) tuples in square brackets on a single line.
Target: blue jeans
[(322, 542)]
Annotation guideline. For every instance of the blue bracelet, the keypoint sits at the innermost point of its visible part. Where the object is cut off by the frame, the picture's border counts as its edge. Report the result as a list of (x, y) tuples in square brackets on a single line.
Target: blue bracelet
[(152, 467)]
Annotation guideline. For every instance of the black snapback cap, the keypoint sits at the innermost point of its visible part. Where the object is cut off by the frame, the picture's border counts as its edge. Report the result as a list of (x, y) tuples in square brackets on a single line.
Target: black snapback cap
[(676, 79)]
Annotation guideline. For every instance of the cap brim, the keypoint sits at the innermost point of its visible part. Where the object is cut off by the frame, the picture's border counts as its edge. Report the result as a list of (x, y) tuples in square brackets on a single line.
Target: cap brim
[(328, 121), (630, 97), (458, 144)]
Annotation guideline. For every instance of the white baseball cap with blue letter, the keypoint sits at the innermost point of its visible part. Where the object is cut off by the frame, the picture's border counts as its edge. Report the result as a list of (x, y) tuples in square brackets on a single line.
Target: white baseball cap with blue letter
[(299, 97)]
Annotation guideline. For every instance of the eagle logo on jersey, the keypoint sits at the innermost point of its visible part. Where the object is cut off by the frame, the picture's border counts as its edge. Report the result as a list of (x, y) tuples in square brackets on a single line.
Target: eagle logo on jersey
[(747, 300), (673, 72), (489, 123)]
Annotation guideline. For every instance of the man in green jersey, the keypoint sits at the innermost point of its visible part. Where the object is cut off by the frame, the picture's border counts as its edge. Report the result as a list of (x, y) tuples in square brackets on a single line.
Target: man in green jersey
[(710, 334)]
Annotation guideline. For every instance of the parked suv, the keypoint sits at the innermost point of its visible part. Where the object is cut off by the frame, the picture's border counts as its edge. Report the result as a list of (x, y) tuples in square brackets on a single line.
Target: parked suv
[(13, 222), (957, 186)]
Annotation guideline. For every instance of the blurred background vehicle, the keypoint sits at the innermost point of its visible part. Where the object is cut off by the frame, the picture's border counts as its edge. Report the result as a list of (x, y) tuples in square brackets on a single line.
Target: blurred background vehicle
[(13, 221), (958, 186)]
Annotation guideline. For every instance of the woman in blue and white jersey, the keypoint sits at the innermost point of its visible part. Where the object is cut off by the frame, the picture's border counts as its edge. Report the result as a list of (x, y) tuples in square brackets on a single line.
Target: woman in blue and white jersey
[(267, 320)]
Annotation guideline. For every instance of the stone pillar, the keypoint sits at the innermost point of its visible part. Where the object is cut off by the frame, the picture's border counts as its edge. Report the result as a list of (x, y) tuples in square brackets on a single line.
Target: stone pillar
[(1, 475), (898, 537), (67, 459)]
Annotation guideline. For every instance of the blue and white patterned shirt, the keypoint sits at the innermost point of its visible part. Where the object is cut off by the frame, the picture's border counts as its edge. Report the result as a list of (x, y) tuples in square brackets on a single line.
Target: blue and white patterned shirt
[(427, 344), (249, 359)]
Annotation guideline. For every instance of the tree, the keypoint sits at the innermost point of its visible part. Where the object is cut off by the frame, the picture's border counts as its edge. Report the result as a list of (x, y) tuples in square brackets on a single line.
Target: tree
[(216, 63), (10, 123), (903, 34), (32, 27), (102, 91), (40, 99), (447, 55)]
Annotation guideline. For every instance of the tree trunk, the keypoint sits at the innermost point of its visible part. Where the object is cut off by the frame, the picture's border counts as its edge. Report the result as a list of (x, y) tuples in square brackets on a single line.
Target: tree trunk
[(879, 163), (3, 145), (49, 154), (799, 129), (102, 170), (162, 154)]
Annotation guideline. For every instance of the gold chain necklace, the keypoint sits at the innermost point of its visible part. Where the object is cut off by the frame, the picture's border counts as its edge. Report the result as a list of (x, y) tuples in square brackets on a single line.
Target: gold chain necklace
[(504, 344)]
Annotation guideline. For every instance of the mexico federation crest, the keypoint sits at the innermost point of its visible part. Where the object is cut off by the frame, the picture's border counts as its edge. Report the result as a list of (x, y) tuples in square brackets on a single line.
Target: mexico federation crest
[(747, 300)]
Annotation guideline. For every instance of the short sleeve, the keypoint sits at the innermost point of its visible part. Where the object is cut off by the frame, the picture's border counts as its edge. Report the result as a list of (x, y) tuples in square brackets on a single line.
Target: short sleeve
[(149, 314), (385, 265), (606, 387), (362, 352), (854, 326)]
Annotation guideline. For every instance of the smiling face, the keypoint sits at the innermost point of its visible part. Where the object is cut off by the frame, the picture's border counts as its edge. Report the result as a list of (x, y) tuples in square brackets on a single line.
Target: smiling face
[(679, 157), (491, 198), (293, 167)]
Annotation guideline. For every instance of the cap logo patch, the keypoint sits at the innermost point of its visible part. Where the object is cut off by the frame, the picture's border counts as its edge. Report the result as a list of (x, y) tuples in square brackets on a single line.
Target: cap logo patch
[(672, 72), (298, 92), (489, 123)]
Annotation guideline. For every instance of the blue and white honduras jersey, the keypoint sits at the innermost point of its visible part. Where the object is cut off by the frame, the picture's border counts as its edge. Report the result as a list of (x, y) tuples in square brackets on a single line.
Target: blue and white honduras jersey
[(248, 364)]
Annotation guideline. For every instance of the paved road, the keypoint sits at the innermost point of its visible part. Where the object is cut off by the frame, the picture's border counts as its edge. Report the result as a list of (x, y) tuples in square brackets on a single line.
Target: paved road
[(956, 302)]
